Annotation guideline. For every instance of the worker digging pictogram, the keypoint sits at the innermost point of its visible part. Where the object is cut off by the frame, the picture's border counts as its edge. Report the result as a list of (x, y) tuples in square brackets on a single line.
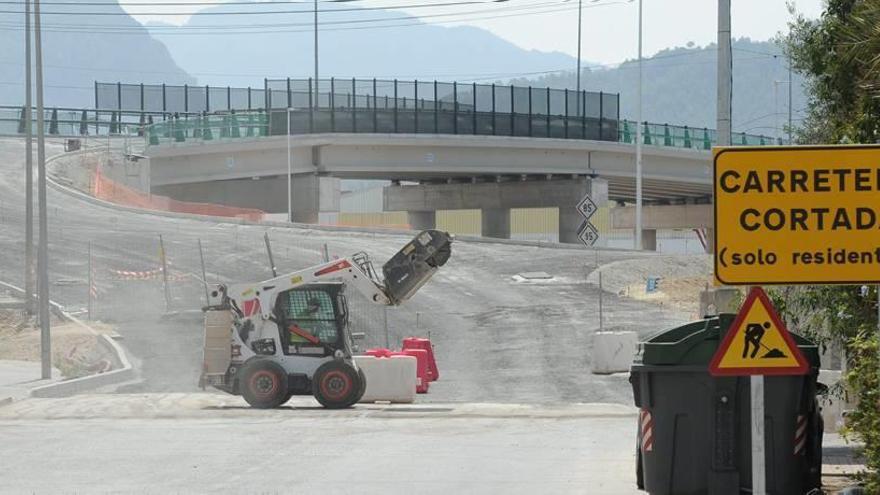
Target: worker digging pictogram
[(753, 335)]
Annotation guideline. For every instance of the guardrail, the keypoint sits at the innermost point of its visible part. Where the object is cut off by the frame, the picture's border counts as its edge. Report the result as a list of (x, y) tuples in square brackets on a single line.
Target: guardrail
[(78, 122), (164, 129)]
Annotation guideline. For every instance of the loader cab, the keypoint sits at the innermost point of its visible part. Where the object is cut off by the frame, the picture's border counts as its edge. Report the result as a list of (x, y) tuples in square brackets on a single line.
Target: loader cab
[(313, 320)]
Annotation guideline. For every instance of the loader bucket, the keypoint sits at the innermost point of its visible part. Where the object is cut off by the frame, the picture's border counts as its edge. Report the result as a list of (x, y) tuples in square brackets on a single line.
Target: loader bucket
[(415, 264)]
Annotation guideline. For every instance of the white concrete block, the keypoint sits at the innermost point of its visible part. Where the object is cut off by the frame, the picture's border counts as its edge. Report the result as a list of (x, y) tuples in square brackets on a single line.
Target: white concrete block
[(833, 407), (389, 379), (613, 351)]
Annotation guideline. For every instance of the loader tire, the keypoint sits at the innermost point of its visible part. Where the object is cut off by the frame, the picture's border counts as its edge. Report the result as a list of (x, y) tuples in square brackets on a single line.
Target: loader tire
[(363, 388), (337, 385), (264, 384)]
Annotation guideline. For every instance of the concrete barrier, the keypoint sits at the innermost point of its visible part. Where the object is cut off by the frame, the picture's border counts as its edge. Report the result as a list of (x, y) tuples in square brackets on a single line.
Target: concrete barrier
[(833, 407), (389, 379), (613, 351)]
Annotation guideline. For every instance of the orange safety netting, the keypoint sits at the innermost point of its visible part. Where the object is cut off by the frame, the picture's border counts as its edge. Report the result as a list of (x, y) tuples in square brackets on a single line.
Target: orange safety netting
[(114, 192)]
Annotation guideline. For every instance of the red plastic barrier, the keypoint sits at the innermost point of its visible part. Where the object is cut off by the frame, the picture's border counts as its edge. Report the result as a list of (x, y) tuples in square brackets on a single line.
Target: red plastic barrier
[(421, 356), (420, 343), (380, 352)]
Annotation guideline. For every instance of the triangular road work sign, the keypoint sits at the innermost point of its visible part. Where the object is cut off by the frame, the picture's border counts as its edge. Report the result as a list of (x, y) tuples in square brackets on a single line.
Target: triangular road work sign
[(758, 343)]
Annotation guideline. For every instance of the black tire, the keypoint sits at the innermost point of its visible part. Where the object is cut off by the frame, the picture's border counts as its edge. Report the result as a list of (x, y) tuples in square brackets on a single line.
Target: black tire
[(363, 389), (336, 385), (264, 384)]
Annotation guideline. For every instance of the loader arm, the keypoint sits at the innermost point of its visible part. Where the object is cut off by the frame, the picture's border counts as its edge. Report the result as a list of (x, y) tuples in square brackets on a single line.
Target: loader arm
[(404, 273)]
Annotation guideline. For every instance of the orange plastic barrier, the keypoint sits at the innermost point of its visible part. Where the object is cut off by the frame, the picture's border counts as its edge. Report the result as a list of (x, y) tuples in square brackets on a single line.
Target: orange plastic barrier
[(114, 192)]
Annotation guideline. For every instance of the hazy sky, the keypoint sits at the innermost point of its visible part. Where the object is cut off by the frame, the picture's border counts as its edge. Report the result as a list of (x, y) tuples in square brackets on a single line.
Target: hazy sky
[(609, 26)]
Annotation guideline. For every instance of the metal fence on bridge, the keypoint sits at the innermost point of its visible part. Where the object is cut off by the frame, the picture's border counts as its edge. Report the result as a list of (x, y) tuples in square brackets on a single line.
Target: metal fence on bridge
[(184, 114), (372, 105)]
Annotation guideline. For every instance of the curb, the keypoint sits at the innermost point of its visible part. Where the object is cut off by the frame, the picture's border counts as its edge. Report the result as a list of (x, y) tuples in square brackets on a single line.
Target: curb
[(124, 370), (53, 182)]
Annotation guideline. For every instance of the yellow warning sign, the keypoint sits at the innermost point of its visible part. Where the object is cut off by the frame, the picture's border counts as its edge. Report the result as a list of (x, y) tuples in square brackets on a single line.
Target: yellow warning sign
[(797, 215), (757, 343)]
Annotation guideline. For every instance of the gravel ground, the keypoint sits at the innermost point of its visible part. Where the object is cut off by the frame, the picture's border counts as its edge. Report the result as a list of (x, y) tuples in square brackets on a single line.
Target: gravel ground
[(497, 339), (682, 277)]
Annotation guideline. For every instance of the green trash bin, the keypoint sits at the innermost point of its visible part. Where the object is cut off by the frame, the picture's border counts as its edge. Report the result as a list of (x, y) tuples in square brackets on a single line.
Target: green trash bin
[(694, 434)]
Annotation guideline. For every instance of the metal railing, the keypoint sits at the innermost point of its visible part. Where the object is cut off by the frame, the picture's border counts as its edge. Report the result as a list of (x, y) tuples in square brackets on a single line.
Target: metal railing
[(700, 138), (78, 122), (160, 129)]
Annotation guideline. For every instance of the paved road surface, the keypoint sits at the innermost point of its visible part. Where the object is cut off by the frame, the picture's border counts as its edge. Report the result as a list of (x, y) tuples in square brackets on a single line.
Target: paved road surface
[(177, 443), (497, 340)]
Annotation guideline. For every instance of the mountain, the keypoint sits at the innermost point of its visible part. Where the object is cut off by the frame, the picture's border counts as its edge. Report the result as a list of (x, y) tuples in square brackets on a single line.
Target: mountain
[(222, 50), (79, 49), (680, 86)]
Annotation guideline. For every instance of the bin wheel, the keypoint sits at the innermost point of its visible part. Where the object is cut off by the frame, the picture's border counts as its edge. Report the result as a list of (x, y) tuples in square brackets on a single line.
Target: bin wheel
[(264, 384), (640, 470), (337, 385)]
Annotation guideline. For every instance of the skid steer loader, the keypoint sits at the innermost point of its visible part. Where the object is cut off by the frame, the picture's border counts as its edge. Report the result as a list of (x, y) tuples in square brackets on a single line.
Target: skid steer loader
[(290, 335)]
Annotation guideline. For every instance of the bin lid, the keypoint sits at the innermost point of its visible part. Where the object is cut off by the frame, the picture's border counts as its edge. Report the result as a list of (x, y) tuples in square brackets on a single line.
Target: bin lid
[(695, 343)]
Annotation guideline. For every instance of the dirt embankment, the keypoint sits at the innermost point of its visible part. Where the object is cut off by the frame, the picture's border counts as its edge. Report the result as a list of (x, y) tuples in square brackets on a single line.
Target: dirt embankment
[(75, 350), (680, 278)]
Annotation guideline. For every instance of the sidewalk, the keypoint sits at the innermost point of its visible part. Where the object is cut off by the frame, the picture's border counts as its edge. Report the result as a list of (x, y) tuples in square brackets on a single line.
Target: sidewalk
[(17, 378)]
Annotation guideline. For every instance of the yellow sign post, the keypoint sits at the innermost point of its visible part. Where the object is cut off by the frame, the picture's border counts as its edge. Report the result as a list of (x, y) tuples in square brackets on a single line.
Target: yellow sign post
[(797, 215)]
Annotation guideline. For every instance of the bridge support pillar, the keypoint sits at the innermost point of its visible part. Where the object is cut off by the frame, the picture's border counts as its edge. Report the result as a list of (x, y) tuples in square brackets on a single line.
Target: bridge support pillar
[(312, 195), (649, 239), (496, 222), (422, 220)]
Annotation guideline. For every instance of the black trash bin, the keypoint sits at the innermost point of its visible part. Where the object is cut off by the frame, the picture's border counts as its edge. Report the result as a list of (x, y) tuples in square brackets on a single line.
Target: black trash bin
[(694, 434)]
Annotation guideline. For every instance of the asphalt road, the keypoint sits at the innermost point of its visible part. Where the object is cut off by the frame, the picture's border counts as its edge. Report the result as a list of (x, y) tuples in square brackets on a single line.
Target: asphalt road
[(496, 340), (201, 443)]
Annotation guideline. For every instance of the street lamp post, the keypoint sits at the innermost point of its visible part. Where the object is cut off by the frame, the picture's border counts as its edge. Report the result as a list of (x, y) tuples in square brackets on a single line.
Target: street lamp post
[(580, 27), (29, 168), (317, 103), (638, 233), (43, 248), (289, 163)]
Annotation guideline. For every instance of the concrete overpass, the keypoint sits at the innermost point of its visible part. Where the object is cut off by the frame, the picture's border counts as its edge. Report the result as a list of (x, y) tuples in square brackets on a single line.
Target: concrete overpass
[(491, 173)]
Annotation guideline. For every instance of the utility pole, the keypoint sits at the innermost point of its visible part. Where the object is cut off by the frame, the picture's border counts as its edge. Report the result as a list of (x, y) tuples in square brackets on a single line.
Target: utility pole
[(725, 67), (29, 168), (638, 233), (43, 248), (724, 110), (790, 88)]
